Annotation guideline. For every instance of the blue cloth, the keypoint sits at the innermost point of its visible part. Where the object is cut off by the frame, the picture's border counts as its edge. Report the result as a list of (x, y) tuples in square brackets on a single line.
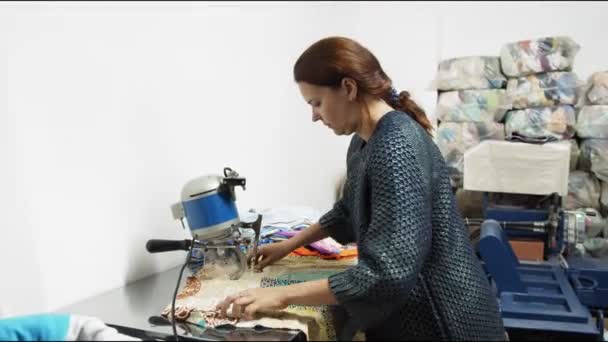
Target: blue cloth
[(41, 327)]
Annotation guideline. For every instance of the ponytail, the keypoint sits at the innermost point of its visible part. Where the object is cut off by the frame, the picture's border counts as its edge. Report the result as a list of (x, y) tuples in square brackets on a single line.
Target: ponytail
[(402, 101)]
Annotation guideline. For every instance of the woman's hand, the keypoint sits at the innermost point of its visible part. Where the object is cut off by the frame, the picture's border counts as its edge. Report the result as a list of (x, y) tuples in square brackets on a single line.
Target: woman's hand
[(247, 303), (271, 253)]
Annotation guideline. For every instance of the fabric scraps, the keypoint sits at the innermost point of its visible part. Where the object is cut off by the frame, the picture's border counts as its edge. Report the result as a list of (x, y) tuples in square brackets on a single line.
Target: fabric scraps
[(473, 105), (473, 72), (548, 123), (197, 300), (592, 122), (540, 55), (544, 90)]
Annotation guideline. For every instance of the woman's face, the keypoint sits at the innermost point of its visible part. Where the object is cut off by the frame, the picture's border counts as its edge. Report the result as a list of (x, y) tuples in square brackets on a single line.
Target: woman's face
[(337, 108)]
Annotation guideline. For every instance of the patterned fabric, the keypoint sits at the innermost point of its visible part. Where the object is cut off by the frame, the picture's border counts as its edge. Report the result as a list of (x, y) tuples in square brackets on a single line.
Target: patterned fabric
[(196, 301), (592, 122), (583, 191), (543, 90), (455, 138), (417, 276), (321, 314), (549, 123), (474, 72), (594, 157), (473, 105), (538, 55)]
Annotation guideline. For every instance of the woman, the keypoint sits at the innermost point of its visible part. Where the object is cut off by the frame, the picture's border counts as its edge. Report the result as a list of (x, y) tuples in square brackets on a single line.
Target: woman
[(417, 276)]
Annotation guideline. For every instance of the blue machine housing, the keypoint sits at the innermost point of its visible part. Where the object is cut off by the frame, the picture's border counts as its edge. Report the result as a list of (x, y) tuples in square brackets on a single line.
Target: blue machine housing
[(209, 211), (536, 297)]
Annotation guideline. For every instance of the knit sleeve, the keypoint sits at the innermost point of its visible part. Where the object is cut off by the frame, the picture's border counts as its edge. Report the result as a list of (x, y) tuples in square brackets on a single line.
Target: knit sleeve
[(337, 224), (397, 239)]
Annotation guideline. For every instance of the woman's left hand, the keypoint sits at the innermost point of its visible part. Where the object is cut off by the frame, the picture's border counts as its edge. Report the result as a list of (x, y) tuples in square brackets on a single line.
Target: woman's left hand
[(247, 303)]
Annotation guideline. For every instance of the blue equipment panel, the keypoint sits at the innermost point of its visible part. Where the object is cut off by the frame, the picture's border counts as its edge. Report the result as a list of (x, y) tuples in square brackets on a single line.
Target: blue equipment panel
[(535, 297)]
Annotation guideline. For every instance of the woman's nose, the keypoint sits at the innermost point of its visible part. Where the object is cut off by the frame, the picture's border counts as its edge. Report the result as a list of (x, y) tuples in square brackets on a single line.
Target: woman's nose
[(315, 116)]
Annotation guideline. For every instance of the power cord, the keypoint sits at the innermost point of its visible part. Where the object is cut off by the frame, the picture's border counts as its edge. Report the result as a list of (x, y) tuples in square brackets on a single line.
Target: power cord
[(179, 280)]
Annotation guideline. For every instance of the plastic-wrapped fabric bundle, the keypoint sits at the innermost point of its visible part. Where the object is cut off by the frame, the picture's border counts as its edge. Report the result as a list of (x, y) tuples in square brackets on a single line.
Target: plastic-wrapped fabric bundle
[(472, 72), (594, 157), (484, 105), (544, 90), (583, 191), (597, 89), (592, 122), (540, 55), (454, 138), (540, 124)]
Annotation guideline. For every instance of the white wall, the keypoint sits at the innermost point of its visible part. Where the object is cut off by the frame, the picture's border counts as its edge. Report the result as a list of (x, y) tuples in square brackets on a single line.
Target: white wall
[(108, 109), (113, 107)]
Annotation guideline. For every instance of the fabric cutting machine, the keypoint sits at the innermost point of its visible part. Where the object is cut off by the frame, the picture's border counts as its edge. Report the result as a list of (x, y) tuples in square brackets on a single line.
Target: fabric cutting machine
[(208, 208)]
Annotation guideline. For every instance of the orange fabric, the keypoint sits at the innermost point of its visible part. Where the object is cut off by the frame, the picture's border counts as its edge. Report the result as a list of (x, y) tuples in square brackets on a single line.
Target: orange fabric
[(345, 253)]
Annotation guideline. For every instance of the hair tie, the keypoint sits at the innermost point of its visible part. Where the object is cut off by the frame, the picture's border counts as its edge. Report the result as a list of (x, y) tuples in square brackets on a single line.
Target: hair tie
[(393, 95)]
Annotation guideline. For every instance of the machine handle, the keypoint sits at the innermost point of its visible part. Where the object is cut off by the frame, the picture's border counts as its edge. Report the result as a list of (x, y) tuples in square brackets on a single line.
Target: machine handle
[(159, 246), (576, 279)]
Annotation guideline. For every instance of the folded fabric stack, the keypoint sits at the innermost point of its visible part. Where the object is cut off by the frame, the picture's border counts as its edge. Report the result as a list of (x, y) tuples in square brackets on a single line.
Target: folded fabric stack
[(472, 101), (542, 88)]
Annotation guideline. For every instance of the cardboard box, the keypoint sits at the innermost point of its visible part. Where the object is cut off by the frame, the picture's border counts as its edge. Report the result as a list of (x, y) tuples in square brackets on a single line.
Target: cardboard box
[(528, 250)]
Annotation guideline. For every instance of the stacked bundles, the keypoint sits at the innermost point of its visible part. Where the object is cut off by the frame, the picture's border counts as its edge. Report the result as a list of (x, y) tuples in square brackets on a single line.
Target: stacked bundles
[(544, 91), (542, 88), (592, 129), (472, 102)]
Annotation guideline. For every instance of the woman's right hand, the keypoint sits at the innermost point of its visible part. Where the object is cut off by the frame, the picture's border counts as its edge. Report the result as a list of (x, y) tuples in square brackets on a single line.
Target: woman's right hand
[(270, 254)]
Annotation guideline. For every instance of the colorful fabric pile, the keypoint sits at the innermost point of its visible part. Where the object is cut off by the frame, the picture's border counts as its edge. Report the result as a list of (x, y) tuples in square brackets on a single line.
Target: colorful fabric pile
[(473, 72), (544, 90), (486, 105), (541, 124), (196, 302), (536, 56)]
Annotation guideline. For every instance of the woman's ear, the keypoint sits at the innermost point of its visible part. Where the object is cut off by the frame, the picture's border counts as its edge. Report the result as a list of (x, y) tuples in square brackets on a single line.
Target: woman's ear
[(349, 85)]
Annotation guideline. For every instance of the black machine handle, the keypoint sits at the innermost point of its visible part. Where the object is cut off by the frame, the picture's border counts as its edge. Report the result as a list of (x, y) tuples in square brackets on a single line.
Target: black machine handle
[(159, 246)]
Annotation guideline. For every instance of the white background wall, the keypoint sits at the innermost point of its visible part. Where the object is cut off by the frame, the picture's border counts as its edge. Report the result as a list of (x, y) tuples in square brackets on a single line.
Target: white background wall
[(108, 109)]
